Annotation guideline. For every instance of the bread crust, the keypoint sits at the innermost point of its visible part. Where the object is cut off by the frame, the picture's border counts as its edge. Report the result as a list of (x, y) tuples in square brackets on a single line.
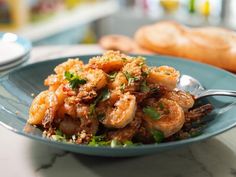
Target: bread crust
[(211, 45), (123, 44)]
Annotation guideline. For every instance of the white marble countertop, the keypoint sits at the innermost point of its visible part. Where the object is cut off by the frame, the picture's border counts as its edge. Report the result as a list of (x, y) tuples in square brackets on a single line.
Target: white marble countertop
[(23, 157)]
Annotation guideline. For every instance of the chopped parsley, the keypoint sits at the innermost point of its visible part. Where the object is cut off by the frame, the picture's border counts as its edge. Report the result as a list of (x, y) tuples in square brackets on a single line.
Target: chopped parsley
[(167, 73), (128, 143), (74, 79), (112, 76), (130, 78), (59, 136), (103, 96), (154, 90), (141, 64), (161, 106), (167, 111), (124, 59), (151, 112), (158, 136), (58, 132), (144, 74), (92, 109), (144, 87), (195, 133), (100, 140), (101, 116), (114, 143), (122, 87)]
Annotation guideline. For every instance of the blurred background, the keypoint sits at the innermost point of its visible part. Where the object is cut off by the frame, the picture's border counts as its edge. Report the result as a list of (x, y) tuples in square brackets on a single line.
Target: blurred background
[(55, 22)]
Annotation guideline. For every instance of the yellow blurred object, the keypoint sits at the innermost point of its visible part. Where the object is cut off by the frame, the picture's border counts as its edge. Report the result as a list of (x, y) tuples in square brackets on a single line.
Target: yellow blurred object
[(13, 14), (170, 5), (70, 4), (205, 8), (89, 37)]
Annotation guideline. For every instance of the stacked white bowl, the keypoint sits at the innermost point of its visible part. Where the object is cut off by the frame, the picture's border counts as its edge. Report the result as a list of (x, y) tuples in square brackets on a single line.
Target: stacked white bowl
[(14, 51)]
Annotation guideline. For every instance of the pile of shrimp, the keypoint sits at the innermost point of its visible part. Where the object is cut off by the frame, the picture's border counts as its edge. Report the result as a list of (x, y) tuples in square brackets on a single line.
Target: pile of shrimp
[(114, 97)]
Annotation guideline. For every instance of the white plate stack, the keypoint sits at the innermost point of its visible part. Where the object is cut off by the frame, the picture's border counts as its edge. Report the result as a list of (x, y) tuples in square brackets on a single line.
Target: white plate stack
[(14, 51)]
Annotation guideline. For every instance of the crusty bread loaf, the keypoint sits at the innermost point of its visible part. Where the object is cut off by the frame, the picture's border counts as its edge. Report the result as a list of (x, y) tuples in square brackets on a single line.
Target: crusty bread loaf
[(123, 44), (211, 45)]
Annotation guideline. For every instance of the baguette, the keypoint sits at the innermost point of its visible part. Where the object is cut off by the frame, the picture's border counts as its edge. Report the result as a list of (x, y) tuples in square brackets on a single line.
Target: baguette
[(211, 45)]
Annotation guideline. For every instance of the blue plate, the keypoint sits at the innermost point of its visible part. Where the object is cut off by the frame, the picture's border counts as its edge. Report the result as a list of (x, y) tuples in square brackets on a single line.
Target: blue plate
[(22, 42), (17, 87)]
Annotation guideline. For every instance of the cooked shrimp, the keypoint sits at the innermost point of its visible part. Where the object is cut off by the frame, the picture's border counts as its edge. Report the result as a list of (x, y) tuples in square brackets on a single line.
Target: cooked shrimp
[(171, 118), (114, 96), (96, 80), (126, 133), (185, 100), (110, 61), (119, 80), (134, 68), (53, 81), (61, 95), (144, 134), (69, 126), (43, 108), (164, 75), (79, 114), (122, 114), (72, 65), (130, 74), (88, 124), (69, 110), (197, 113)]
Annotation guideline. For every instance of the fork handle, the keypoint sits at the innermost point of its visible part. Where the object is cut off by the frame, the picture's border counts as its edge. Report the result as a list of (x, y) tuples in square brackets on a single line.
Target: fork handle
[(216, 92)]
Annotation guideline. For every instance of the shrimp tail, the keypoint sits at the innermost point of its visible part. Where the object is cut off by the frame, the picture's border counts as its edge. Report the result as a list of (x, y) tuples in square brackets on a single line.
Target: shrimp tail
[(126, 133), (198, 113), (48, 118)]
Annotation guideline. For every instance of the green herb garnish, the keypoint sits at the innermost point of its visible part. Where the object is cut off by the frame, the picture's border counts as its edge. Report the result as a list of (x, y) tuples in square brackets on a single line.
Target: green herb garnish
[(144, 87), (144, 74), (161, 106), (101, 116), (112, 76), (158, 135), (103, 96), (122, 87), (74, 79), (167, 111), (99, 141), (130, 78), (151, 112), (115, 143), (195, 133), (59, 136), (92, 109), (124, 59), (128, 143)]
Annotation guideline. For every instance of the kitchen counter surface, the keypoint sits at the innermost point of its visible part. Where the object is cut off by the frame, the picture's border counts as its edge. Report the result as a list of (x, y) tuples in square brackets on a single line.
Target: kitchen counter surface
[(23, 157)]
